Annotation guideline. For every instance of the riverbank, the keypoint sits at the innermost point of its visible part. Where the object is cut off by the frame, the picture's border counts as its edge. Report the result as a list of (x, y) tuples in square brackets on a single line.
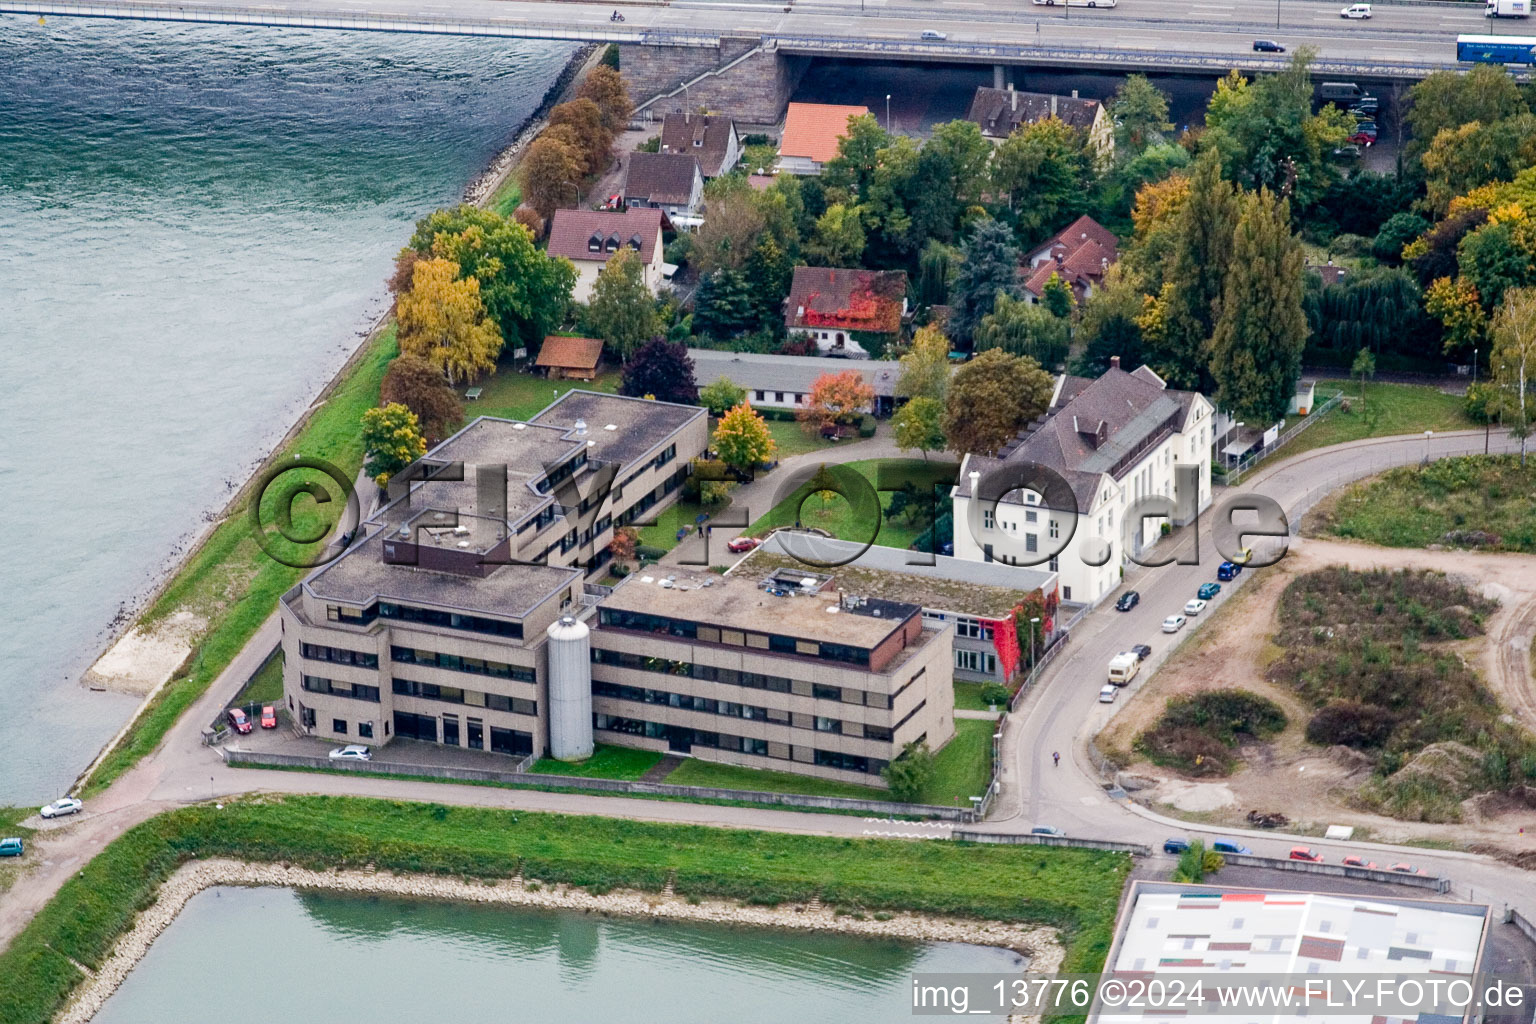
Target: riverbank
[(222, 579), (1040, 945)]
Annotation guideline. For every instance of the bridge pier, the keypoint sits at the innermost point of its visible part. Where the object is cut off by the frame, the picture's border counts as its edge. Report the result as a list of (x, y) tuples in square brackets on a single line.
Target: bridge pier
[(739, 78), (999, 76)]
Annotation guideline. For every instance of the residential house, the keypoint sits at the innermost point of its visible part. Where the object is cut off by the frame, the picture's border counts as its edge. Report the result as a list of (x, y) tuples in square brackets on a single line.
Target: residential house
[(1081, 253), (848, 313), (1001, 112), (564, 358), (1111, 442), (588, 238), (785, 382), (664, 181), (1330, 272), (811, 132), (710, 138)]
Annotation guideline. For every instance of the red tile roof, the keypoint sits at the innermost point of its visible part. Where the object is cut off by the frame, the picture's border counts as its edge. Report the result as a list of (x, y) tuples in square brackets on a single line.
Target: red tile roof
[(573, 232), (570, 353), (1080, 253), (704, 136), (853, 300), (811, 130)]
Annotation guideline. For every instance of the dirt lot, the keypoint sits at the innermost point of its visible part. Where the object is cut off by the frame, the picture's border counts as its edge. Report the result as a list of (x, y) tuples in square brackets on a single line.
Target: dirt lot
[(1308, 783)]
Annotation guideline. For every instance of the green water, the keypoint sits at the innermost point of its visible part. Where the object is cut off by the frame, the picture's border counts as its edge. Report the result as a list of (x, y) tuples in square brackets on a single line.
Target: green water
[(257, 956)]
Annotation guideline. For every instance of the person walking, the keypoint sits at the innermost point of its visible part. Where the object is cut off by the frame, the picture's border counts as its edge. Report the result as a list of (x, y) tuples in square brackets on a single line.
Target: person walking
[(1056, 756)]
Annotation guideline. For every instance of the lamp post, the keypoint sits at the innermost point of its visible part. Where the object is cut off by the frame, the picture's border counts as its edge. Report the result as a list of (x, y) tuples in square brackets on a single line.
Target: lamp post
[(887, 112), (1277, 14), (1427, 435), (1034, 624)]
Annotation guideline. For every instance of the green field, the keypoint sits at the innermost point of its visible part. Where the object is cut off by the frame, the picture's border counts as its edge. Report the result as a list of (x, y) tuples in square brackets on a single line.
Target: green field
[(663, 532), (963, 768), (1074, 890), (968, 696), (793, 439), (856, 520), (515, 395), (606, 762), (1389, 409), (506, 197)]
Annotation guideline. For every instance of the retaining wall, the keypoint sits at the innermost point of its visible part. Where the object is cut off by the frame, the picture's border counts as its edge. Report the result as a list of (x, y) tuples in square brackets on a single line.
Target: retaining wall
[(1030, 839), (1337, 870), (756, 91)]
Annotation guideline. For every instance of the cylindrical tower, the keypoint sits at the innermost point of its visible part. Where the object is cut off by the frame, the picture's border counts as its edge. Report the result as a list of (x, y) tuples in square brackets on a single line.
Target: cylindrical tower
[(570, 690)]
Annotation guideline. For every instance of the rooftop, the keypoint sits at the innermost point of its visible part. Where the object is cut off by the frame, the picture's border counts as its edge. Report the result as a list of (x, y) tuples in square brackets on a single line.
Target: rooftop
[(854, 300), (763, 372), (661, 177), (598, 234), (618, 428), (570, 353), (741, 602), (1001, 111), (1080, 252), (811, 130), (706, 136)]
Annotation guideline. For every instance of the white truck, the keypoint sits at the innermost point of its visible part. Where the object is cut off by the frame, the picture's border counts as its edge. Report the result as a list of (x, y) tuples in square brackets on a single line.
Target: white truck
[(1123, 668), (1507, 9)]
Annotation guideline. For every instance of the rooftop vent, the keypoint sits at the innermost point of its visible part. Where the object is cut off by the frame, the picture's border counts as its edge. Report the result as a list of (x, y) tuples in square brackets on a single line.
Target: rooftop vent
[(463, 543), (666, 584), (581, 428)]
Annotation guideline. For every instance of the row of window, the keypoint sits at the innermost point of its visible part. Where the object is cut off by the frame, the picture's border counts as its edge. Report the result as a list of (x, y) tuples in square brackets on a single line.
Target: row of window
[(337, 688), (339, 727), (339, 656), (474, 698), (732, 677), (976, 661), (459, 663), (682, 737), (425, 616), (732, 709), (424, 727), (646, 623)]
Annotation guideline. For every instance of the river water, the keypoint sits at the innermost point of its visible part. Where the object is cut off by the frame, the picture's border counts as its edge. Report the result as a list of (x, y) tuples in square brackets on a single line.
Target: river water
[(316, 958), (195, 224)]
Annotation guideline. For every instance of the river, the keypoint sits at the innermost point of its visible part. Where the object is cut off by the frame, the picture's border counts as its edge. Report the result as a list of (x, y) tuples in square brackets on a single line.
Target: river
[(195, 224), (315, 958)]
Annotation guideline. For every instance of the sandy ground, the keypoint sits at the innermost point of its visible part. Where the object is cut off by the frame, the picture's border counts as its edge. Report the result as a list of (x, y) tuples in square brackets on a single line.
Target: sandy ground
[(1309, 784), (143, 659)]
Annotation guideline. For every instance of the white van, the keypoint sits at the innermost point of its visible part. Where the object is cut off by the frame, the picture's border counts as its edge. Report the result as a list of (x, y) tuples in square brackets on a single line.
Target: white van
[(1356, 11), (1123, 668)]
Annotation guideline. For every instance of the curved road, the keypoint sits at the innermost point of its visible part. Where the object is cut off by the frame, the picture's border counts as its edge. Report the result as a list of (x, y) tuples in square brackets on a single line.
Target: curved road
[(1061, 714)]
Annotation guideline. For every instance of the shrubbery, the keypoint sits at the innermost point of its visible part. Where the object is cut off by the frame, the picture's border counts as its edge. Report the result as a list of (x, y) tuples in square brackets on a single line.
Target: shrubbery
[(1199, 734)]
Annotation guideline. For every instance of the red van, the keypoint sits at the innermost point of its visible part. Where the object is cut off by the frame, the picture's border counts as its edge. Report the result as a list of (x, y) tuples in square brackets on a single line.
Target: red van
[(238, 720)]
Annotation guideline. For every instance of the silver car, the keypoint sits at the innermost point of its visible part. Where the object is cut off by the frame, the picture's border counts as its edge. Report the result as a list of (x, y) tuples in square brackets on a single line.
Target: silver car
[(60, 807), (354, 752), (1173, 623)]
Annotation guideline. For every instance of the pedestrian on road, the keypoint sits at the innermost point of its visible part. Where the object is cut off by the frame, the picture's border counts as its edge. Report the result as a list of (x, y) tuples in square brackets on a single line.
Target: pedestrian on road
[(1056, 756)]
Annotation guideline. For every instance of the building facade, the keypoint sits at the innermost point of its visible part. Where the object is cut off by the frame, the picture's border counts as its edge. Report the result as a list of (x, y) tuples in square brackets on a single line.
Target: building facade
[(848, 313), (589, 238), (664, 181)]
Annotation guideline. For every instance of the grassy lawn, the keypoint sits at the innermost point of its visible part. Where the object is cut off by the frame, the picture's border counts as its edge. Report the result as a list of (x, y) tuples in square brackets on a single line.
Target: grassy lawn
[(517, 396), (964, 767), (1074, 890), (696, 772), (506, 197), (663, 533), (856, 521), (606, 762), (1390, 409), (1412, 506), (11, 867), (968, 696), (793, 439), (266, 686)]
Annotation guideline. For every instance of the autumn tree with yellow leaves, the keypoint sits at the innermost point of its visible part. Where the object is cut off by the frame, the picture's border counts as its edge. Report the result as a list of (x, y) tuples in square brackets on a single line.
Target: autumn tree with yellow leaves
[(443, 320)]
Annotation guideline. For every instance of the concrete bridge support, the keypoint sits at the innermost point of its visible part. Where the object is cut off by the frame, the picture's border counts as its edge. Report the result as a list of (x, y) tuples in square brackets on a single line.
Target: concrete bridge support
[(999, 76), (754, 89)]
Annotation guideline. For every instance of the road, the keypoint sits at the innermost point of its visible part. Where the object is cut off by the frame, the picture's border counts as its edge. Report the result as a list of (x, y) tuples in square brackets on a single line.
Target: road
[(1398, 33), (1062, 714)]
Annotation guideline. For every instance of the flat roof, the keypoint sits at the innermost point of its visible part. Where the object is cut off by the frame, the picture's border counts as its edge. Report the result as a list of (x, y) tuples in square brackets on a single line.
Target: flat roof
[(741, 602), (952, 585), (757, 371), (618, 428)]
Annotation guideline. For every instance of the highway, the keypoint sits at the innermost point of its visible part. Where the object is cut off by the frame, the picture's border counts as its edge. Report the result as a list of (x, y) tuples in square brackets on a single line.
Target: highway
[(1403, 39)]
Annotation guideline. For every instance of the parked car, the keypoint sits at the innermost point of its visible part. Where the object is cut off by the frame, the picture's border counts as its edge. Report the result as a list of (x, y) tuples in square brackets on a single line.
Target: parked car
[(1228, 571), (1243, 557), (1107, 693), (1208, 591), (1046, 830), (1128, 600), (1405, 869), (741, 544), (1368, 105), (268, 718), (934, 35), (353, 752), (1356, 11), (11, 847), (1366, 124), (60, 807), (1354, 860), (1175, 845), (1362, 139), (1267, 46), (1142, 651), (1349, 150), (1194, 607), (238, 720), (1173, 623), (1229, 846), (1307, 854)]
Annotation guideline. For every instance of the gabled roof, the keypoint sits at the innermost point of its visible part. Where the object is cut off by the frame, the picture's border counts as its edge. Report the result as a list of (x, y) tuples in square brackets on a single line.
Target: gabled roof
[(811, 130), (1079, 252), (661, 177), (1000, 111), (570, 353), (853, 300), (573, 233), (705, 136)]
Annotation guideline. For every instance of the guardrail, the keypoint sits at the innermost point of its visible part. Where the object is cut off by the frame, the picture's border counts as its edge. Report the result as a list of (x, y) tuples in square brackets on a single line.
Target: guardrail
[(882, 808), (1246, 860), (1236, 473), (1012, 839)]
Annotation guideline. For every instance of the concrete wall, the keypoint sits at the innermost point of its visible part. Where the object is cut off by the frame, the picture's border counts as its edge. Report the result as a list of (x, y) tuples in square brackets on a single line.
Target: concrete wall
[(1337, 870), (756, 91), (1015, 839)]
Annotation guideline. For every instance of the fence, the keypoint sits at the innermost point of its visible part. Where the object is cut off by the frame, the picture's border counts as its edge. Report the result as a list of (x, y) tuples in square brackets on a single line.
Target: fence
[(1245, 860), (1030, 839), (1235, 475), (882, 808)]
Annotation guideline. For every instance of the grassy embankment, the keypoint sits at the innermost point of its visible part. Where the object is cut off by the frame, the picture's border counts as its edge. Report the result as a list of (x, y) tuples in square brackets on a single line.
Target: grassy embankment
[(1474, 501), (1074, 890), (606, 762)]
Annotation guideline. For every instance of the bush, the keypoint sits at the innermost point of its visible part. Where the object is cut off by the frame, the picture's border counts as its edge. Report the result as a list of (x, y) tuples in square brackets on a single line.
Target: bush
[(1351, 724), (1350, 245), (678, 250), (644, 551), (1198, 734), (1479, 397), (910, 773), (650, 145), (714, 492), (995, 693), (611, 56), (867, 427)]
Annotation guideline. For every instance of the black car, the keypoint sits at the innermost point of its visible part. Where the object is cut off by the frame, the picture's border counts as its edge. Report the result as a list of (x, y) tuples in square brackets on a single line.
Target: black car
[(1142, 652), (1128, 600), (1175, 845), (1267, 46)]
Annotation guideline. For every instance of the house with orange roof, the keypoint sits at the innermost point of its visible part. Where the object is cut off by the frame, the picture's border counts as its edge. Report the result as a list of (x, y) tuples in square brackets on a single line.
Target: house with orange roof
[(851, 314), (811, 131), (566, 358), (1081, 253)]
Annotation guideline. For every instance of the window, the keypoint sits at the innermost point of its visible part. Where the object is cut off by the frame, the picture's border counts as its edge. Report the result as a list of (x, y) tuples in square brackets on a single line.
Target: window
[(778, 396), (365, 730), (1031, 542), (826, 692), (1030, 515), (1054, 530), (974, 629), (1055, 564), (306, 717), (339, 656), (451, 730), (356, 691), (415, 727), (1066, 593), (975, 661), (847, 762), (828, 724), (987, 522), (511, 741), (339, 725)]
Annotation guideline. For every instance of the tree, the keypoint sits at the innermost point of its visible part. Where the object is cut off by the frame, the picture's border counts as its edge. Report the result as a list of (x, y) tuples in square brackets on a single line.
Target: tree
[(1364, 367), (723, 306), (605, 87), (839, 238), (550, 174), (1140, 110), (1460, 159), (1514, 360), (991, 398), (966, 153), (413, 382), (908, 776), (1395, 234), (920, 424), (989, 264), (1108, 326), (935, 268), (742, 438), (622, 547), (1257, 344), (735, 224), (391, 440), (442, 320), (592, 136), (722, 395), (1057, 297), (1455, 303), (768, 272), (1044, 169), (1024, 329), (662, 370), (1450, 99), (836, 399), (1497, 257), (405, 270), (924, 369), (858, 154), (623, 311)]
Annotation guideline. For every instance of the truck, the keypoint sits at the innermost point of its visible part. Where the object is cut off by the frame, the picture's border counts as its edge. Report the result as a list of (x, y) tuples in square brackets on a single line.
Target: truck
[(1123, 668), (1340, 92), (1507, 9), (1496, 49)]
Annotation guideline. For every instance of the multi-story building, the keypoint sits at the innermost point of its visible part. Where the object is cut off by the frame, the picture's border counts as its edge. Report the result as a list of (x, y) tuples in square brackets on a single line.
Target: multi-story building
[(1112, 442)]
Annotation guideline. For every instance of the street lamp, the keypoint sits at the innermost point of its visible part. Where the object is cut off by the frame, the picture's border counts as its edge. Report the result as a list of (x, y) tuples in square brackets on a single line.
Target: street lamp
[(887, 112), (1034, 624), (1277, 14), (1427, 435)]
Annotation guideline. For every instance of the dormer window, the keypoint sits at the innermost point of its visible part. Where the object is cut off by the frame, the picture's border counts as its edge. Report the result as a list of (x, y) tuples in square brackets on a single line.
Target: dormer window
[(634, 242), (595, 243), (698, 142), (613, 244)]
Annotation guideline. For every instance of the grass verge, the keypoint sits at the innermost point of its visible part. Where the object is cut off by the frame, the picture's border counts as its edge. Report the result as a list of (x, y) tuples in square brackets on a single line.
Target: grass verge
[(1073, 890), (606, 762), (963, 768), (1389, 409), (696, 772), (266, 686)]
